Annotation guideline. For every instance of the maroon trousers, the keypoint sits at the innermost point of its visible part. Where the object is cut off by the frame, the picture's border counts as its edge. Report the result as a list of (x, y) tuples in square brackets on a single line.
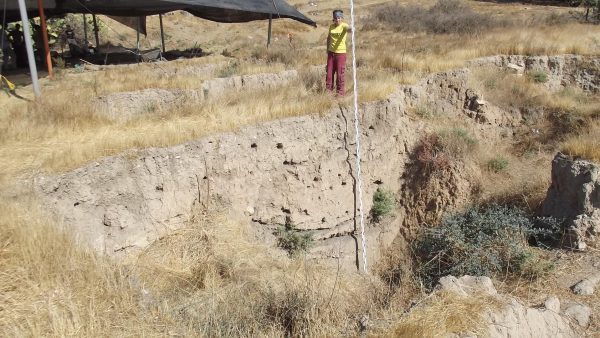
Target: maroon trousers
[(336, 65)]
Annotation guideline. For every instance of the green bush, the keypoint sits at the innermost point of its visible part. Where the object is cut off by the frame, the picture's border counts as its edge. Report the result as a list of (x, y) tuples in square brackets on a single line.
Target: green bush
[(497, 164), (292, 240), (483, 242), (383, 203), (539, 76)]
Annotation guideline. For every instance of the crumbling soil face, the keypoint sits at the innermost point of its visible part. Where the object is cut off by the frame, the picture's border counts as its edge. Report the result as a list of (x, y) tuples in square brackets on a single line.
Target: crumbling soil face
[(297, 168)]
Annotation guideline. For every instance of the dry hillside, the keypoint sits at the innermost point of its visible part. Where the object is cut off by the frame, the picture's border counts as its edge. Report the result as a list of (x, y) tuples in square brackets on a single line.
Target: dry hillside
[(232, 172)]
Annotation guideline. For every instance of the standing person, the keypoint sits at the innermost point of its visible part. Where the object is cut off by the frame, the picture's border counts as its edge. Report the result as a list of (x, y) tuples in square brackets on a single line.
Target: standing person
[(7, 61), (336, 52), (3, 48), (38, 42), (18, 44)]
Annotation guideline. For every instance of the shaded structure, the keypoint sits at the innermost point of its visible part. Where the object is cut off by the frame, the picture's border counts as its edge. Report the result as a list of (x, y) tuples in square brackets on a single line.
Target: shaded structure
[(227, 11)]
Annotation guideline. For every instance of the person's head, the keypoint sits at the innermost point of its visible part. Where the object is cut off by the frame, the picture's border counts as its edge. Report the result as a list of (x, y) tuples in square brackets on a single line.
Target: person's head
[(17, 26), (338, 16)]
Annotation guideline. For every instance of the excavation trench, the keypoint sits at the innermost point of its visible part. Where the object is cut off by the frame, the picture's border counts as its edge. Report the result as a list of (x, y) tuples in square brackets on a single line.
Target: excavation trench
[(297, 170)]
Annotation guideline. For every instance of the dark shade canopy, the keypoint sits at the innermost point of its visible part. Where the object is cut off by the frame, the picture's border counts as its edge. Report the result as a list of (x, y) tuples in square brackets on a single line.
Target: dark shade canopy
[(213, 10)]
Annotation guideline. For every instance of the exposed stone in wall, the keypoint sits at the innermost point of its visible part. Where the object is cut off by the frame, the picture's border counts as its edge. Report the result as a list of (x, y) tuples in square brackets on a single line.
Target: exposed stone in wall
[(562, 70), (514, 319), (574, 196)]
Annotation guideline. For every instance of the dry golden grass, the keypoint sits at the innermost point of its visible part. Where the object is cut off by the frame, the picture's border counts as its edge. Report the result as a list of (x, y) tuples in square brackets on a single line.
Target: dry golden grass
[(586, 145), (220, 284), (51, 287), (60, 132), (444, 313), (421, 54), (524, 182), (204, 280)]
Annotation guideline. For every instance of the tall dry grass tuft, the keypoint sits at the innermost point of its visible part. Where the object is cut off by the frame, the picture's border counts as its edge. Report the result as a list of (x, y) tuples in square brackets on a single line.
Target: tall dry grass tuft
[(208, 279), (51, 287), (216, 282), (586, 145), (523, 182), (443, 313)]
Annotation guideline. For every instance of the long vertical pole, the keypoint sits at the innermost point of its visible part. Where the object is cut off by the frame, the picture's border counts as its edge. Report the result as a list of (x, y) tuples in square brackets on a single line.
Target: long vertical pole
[(45, 38), (96, 32), (29, 47), (269, 32), (85, 33), (137, 44), (357, 130), (162, 34)]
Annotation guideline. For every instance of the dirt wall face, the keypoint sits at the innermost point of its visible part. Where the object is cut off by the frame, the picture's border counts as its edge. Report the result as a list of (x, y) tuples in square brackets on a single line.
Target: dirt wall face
[(300, 169)]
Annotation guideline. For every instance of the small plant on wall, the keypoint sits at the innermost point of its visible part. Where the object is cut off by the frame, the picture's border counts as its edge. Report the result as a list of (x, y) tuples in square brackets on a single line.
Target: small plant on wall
[(383, 204), (291, 239), (497, 164)]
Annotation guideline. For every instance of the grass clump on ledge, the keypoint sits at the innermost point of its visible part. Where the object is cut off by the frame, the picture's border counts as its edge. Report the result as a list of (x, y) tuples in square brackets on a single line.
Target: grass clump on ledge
[(497, 164), (383, 204), (481, 242), (586, 146), (292, 240), (539, 76)]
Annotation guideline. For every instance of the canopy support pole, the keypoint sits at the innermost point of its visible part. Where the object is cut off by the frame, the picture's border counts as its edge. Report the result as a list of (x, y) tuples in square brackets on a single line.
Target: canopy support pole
[(162, 34), (137, 44), (29, 47), (269, 31), (44, 33), (96, 32), (85, 32)]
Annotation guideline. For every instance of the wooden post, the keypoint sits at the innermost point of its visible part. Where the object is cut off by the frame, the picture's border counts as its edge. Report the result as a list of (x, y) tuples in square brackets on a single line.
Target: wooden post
[(44, 33), (96, 32), (162, 33), (137, 45), (269, 32), (85, 35)]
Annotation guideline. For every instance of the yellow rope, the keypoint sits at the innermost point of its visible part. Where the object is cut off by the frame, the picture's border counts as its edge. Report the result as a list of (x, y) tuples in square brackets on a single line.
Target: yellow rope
[(5, 83)]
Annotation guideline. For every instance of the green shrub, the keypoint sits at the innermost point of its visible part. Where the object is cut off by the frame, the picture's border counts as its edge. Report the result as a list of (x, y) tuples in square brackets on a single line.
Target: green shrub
[(497, 164), (539, 76), (383, 203), (483, 242), (292, 240)]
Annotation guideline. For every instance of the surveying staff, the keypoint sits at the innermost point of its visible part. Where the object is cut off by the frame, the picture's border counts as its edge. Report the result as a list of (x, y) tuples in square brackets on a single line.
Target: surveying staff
[(336, 52)]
